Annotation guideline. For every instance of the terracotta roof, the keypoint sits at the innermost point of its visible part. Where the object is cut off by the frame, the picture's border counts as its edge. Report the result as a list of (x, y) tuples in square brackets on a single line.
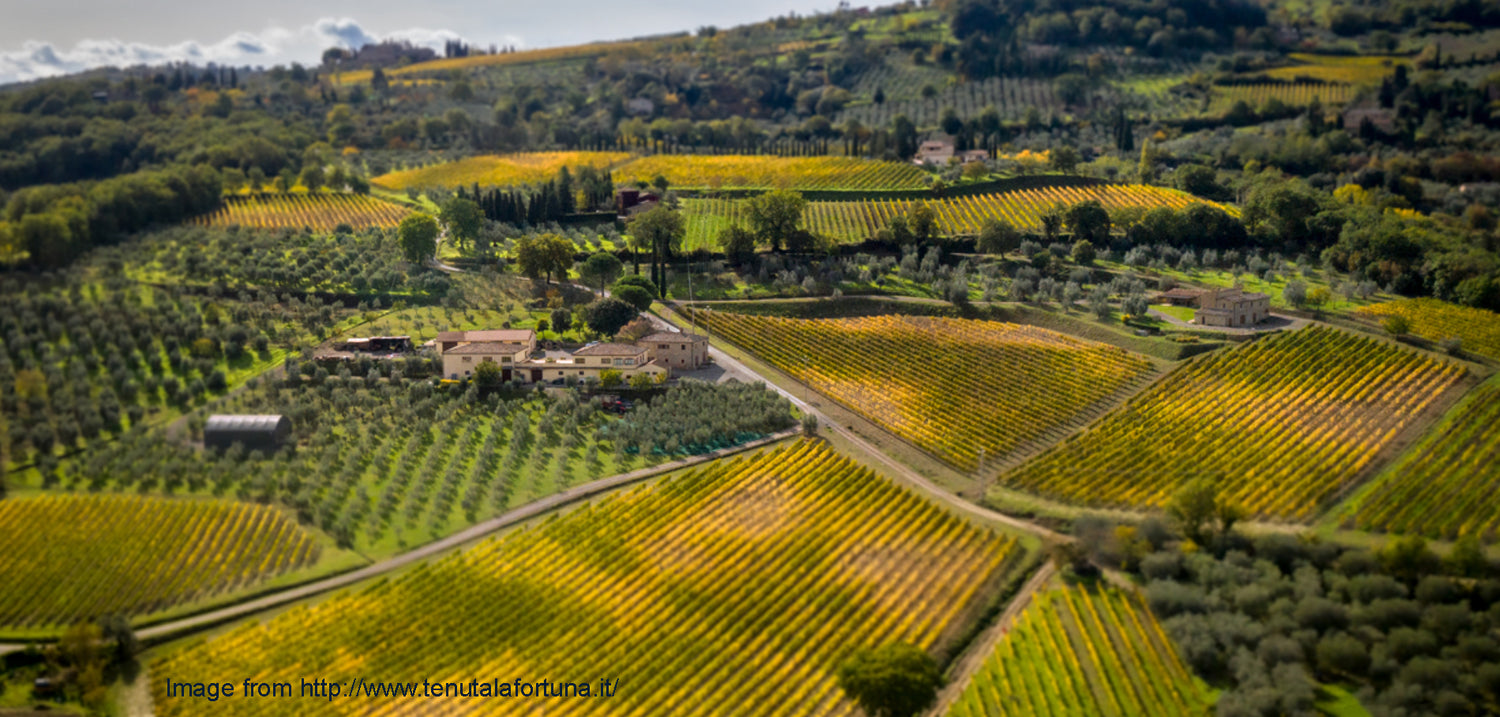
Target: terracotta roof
[(672, 336), (506, 335), (610, 349), (486, 347), (1182, 293)]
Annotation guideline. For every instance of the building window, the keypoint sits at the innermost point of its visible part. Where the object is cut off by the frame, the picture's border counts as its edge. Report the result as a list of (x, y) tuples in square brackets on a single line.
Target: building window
[(504, 359), (468, 359), (581, 361)]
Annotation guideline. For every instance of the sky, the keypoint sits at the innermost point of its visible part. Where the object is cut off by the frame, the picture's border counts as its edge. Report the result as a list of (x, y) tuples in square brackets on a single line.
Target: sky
[(42, 38)]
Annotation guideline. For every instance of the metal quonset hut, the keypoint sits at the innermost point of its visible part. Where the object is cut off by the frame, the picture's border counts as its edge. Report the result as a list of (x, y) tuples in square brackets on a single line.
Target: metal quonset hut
[(263, 433)]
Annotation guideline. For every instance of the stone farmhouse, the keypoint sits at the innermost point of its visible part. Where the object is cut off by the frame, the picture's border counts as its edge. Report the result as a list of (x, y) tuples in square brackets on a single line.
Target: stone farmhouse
[(463, 350), (939, 152), (676, 350), (515, 352), (1231, 308)]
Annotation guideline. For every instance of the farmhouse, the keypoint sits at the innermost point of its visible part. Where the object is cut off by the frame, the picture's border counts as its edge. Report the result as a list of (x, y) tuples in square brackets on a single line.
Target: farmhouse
[(674, 350), (1232, 308), (590, 362), (462, 351), (1179, 297), (934, 151), (514, 351), (630, 202), (449, 339), (255, 433)]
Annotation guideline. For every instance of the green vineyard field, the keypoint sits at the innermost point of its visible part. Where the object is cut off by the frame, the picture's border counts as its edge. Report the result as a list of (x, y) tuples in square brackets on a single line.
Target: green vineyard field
[(959, 389), (1080, 652), (855, 221), (1283, 425), (1444, 487), (322, 212), (768, 172), (735, 589), (1476, 329), (72, 558), (1298, 94)]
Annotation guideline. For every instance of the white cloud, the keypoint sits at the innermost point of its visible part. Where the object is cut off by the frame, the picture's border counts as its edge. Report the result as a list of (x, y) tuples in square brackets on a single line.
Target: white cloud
[(271, 46)]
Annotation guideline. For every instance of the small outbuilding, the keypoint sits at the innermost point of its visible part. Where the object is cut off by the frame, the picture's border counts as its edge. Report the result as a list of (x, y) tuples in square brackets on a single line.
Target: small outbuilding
[(255, 433)]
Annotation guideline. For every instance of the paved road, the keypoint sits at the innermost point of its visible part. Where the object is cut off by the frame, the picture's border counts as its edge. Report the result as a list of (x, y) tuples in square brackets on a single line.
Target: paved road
[(479, 530), (897, 469)]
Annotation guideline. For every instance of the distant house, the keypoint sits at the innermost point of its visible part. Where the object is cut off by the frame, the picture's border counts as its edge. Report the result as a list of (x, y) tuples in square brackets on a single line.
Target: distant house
[(934, 152), (449, 339), (675, 350), (1179, 297), (463, 351), (590, 362), (630, 202), (640, 106), (1232, 308), (255, 433), (1379, 117), (460, 361)]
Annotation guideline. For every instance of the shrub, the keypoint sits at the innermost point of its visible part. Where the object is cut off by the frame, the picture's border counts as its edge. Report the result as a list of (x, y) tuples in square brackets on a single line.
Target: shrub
[(634, 295), (1321, 614), (1341, 653)]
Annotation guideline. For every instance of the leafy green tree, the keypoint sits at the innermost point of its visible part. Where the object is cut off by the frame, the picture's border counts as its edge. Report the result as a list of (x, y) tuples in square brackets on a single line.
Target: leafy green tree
[(312, 177), (634, 295), (1089, 221), (898, 230), (998, 237), (641, 381), (608, 316), (1280, 210), (1295, 293), (894, 680), (1063, 158), (737, 243), (1342, 654), (923, 222), (1099, 303), (487, 373), (1409, 558), (774, 216), (1202, 181), (661, 229), (1197, 508), (904, 136), (636, 280), (600, 269), (544, 255), (463, 217), (562, 319), (1083, 252), (418, 237), (1467, 558)]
